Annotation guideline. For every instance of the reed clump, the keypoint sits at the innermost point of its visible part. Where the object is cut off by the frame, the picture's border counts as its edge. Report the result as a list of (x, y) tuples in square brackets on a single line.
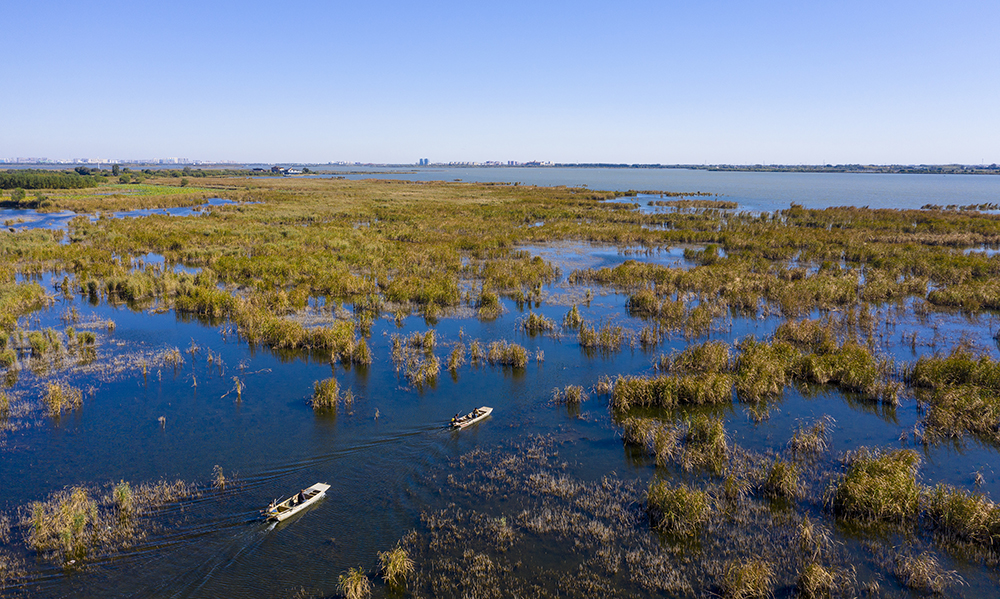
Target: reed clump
[(457, 357), (355, 584), (219, 480), (606, 339), (781, 481), (877, 485), (507, 353), (960, 367), (124, 499), (752, 579), (923, 572), (710, 356), (816, 336), (853, 368), (326, 395), (639, 431), (65, 526), (572, 395), (60, 397), (668, 391), (677, 509), (962, 391), (604, 385), (810, 440), (573, 320), (488, 305), (535, 324), (815, 581), (698, 442), (763, 369), (414, 357), (955, 411), (962, 515), (396, 566), (422, 370), (476, 352), (705, 444)]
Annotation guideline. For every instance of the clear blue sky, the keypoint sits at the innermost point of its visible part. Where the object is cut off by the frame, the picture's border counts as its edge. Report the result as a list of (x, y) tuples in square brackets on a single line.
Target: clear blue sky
[(389, 81)]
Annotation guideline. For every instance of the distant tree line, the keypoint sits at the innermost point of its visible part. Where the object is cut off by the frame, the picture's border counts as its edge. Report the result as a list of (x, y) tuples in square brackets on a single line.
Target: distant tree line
[(187, 171), (17, 179)]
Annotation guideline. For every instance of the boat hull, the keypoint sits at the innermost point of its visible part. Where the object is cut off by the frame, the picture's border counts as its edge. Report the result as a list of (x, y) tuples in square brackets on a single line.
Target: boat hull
[(472, 417), (291, 506)]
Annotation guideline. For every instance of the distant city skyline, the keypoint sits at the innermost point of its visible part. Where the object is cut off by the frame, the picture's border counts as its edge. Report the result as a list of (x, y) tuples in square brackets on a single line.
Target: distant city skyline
[(390, 82), (43, 162)]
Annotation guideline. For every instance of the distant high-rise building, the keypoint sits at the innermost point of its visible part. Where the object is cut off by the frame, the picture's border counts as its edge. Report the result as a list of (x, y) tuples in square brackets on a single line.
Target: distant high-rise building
[(423, 162)]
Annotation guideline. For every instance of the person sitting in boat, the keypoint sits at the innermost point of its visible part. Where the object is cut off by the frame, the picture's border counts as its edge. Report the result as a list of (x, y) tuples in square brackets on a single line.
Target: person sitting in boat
[(273, 508), (301, 497), (454, 419)]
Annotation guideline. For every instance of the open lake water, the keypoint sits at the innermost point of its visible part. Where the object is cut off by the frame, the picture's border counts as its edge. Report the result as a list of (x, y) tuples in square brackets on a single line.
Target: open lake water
[(389, 455)]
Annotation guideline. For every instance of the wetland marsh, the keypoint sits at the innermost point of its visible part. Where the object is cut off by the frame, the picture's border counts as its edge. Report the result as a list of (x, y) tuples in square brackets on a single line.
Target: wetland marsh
[(689, 399)]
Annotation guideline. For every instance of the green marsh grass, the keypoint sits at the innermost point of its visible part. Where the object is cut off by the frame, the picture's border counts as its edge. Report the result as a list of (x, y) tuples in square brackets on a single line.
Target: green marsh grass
[(65, 526), (488, 305), (751, 579), (327, 396), (78, 522), (700, 441), (710, 356), (425, 242), (571, 395), (877, 485), (535, 324), (781, 481), (677, 509), (573, 320), (815, 581), (124, 499), (414, 357), (607, 339), (457, 357), (962, 394), (476, 352), (506, 353), (853, 368), (762, 369), (705, 444), (961, 515), (670, 390)]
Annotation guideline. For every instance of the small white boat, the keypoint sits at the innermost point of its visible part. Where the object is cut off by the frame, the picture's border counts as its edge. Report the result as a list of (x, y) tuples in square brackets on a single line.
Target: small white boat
[(472, 417), (296, 503)]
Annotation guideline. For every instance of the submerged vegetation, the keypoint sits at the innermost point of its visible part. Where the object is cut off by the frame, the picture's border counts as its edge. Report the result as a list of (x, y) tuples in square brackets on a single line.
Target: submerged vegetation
[(79, 522)]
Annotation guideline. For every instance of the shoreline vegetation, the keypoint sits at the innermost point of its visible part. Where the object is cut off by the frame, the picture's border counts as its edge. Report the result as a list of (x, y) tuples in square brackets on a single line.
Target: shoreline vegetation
[(836, 281)]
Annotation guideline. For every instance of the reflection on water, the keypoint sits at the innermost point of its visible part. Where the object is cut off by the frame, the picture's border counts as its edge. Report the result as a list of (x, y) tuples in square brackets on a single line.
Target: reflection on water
[(570, 256), (21, 218)]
